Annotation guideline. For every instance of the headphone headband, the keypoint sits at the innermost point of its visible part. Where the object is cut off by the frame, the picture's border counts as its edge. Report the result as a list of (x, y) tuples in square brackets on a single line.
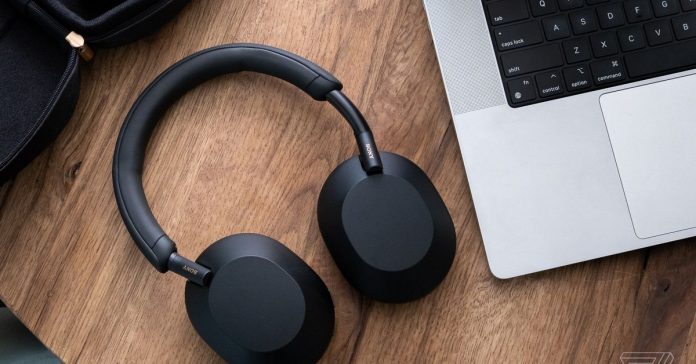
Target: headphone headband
[(183, 76)]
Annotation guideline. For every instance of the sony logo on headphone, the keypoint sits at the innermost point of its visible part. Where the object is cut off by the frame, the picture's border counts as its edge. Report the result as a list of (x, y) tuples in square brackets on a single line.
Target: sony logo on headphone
[(190, 270), (368, 148)]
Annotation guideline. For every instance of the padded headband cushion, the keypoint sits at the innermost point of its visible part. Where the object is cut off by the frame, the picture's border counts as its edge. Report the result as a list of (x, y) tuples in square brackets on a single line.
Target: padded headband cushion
[(164, 91)]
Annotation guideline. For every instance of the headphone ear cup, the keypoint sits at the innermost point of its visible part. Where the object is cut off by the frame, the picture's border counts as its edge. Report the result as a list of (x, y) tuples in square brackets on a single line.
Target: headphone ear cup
[(390, 233), (263, 304)]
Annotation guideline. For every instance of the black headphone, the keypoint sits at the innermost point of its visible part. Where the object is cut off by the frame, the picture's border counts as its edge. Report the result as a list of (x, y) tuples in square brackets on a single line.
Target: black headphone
[(251, 298)]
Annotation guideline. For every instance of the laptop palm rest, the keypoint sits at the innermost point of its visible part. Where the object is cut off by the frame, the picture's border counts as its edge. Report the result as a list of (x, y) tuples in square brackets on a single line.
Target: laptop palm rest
[(652, 129)]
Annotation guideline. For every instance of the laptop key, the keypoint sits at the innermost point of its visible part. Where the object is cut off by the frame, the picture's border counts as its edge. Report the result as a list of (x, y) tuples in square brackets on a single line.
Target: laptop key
[(688, 5), (550, 84), (577, 78), (583, 21), (608, 71), (577, 50), (667, 58), (506, 11), (522, 90), (685, 26), (665, 7), (532, 60), (543, 7), (659, 32), (611, 16), (556, 27), (604, 44), (638, 10), (631, 38), (518, 35)]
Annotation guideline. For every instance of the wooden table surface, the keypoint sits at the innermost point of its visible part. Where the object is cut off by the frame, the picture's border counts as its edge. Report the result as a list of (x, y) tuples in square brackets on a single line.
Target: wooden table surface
[(222, 162)]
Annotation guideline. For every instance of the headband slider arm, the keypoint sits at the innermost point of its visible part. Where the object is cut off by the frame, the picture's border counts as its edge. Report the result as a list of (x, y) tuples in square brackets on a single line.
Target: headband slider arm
[(369, 155)]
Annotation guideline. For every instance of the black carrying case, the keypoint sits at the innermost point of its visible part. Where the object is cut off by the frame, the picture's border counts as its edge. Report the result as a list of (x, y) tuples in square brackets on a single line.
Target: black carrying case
[(41, 46)]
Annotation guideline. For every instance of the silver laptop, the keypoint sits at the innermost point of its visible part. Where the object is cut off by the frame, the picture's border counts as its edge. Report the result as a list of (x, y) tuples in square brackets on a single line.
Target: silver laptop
[(576, 121)]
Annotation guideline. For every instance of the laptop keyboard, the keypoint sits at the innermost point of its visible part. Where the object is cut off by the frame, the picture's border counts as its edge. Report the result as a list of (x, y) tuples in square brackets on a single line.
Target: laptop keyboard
[(549, 49)]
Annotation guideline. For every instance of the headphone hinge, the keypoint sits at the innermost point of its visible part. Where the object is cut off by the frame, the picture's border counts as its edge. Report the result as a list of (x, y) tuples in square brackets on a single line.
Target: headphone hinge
[(369, 156), (190, 270)]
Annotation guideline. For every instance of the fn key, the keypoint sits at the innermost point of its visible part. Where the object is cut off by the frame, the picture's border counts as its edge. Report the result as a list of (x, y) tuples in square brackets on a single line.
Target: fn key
[(521, 90)]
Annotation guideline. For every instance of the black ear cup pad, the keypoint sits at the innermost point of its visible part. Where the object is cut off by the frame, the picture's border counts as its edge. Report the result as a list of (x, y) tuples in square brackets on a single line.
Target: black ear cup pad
[(263, 304), (390, 234)]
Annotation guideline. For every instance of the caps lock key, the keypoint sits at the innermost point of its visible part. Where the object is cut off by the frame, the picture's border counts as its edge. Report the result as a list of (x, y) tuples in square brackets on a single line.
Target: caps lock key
[(518, 35)]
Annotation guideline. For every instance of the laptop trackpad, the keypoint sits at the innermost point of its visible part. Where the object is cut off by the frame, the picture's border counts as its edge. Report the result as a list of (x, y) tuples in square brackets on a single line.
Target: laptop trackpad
[(652, 130)]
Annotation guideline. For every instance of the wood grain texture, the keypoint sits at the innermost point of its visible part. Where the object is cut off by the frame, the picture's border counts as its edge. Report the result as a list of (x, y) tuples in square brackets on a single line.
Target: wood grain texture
[(222, 162)]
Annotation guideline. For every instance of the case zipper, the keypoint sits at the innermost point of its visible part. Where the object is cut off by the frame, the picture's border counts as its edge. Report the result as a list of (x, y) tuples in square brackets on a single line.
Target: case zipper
[(78, 42), (75, 40)]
